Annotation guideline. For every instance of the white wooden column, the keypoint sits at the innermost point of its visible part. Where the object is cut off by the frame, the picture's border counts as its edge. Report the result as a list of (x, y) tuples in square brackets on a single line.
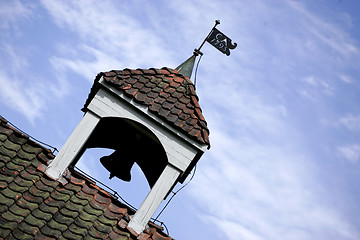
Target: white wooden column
[(154, 198), (72, 146)]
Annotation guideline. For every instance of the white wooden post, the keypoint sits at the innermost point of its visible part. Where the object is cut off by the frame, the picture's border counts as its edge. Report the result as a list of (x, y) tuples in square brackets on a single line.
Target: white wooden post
[(154, 198), (72, 146)]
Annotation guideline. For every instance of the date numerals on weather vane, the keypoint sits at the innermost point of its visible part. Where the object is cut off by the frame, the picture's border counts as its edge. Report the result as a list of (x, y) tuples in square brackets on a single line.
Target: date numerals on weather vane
[(220, 41)]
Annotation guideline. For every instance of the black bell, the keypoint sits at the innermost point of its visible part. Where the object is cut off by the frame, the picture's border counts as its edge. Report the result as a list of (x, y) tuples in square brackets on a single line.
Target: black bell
[(119, 167), (132, 144)]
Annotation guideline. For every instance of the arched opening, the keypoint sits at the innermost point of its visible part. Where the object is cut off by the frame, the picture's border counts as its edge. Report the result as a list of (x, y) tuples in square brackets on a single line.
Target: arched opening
[(131, 143)]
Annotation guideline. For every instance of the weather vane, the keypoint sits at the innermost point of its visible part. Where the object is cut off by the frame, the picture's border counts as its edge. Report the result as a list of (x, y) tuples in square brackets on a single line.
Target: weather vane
[(215, 38), (218, 40)]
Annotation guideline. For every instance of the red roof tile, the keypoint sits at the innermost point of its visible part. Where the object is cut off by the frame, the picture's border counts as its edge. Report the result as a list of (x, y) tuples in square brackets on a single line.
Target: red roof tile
[(166, 93), (33, 206)]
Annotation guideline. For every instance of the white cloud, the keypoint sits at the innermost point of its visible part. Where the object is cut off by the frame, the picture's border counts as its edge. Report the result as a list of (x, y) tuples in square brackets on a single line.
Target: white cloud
[(351, 122), (350, 152), (233, 230), (88, 69), (346, 78), (27, 99), (17, 61), (22, 90), (259, 180), (327, 33), (111, 39), (347, 19), (255, 173), (259, 192), (316, 86), (25, 92), (11, 12)]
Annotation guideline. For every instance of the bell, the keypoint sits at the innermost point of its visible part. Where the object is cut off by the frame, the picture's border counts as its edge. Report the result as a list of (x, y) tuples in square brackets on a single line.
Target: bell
[(118, 166)]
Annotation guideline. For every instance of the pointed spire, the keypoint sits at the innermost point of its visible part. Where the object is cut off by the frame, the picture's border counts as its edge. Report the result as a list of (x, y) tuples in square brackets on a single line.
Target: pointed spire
[(186, 68)]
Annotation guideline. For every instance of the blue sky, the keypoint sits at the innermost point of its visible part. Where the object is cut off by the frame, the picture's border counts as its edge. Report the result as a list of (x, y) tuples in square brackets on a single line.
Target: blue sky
[(282, 109)]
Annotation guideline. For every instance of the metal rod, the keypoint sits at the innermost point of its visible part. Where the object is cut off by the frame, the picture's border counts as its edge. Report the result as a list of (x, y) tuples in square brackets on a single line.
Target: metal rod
[(217, 22)]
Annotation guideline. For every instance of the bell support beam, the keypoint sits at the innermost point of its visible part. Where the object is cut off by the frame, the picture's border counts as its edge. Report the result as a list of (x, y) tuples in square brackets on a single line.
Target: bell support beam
[(147, 209), (72, 146)]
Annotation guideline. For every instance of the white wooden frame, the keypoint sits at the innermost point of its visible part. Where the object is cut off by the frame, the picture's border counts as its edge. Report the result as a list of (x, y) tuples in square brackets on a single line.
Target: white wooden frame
[(180, 150)]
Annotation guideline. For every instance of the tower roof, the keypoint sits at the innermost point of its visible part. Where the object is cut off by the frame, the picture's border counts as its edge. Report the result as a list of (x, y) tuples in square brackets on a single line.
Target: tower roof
[(167, 93)]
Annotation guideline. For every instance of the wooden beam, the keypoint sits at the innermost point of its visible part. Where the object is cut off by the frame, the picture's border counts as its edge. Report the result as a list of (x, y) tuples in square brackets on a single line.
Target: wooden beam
[(72, 146), (139, 221)]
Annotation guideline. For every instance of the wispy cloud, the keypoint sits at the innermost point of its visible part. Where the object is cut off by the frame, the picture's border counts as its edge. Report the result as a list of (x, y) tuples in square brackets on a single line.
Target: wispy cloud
[(326, 33), (26, 99), (262, 192), (87, 68), (346, 78), (15, 61), (351, 122), (316, 82), (115, 46), (259, 180), (11, 12), (315, 87), (350, 152), (21, 88), (23, 96)]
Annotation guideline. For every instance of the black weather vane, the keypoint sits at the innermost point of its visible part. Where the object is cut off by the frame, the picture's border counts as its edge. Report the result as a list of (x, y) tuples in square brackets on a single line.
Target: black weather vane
[(216, 38), (219, 40)]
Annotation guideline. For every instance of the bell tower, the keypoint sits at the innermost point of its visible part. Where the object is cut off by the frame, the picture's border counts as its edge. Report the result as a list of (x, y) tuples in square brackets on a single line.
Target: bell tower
[(150, 117)]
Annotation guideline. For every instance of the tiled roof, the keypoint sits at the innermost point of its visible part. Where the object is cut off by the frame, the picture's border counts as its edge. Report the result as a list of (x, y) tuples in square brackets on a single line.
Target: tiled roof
[(166, 93), (33, 206)]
